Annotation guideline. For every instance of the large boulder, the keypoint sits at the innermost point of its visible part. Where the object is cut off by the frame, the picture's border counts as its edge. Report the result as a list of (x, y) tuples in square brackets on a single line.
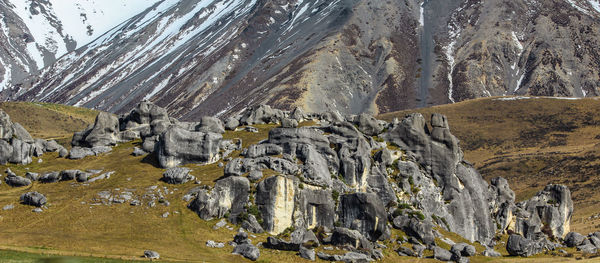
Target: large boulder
[(261, 114), (416, 227), (312, 148), (248, 251), (275, 198), (210, 124), (21, 152), (104, 132), (6, 126), (143, 115), (574, 239), (366, 213), (518, 245), (33, 199), (20, 133), (347, 237), (229, 195), (368, 125), (16, 181), (178, 146), (317, 207)]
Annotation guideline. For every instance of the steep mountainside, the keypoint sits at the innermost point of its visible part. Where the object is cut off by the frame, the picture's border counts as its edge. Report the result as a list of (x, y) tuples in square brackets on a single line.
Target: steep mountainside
[(35, 33), (220, 56)]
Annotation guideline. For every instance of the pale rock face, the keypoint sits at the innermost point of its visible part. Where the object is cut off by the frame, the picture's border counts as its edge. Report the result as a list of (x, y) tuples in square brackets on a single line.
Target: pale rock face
[(275, 200)]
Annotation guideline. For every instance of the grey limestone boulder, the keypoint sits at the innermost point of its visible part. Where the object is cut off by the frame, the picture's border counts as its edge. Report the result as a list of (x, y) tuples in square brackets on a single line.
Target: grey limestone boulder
[(347, 237), (366, 213), (178, 146), (210, 124), (420, 229), (231, 123), (252, 225), (33, 199), (316, 207), (21, 133), (104, 132), (442, 254), (574, 239), (80, 153), (261, 114), (68, 175), (368, 125), (50, 177), (6, 126), (490, 252), (177, 175), (466, 195), (552, 207), (16, 181), (307, 253), (248, 251), (229, 195), (32, 176), (463, 250), (518, 245)]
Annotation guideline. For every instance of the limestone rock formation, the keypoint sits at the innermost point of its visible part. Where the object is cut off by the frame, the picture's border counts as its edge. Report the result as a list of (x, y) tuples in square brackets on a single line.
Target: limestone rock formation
[(178, 146), (104, 132), (228, 196)]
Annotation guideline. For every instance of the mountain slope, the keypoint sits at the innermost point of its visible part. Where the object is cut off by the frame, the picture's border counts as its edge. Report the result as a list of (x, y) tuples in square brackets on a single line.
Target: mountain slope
[(35, 33), (217, 57)]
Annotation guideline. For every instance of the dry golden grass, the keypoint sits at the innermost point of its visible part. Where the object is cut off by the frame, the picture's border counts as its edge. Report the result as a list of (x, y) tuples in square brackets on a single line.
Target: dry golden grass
[(49, 121)]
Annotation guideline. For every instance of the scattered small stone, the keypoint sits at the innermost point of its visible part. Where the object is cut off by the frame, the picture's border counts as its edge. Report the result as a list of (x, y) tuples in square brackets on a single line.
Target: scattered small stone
[(213, 244), (165, 215), (8, 207), (135, 203), (37, 210), (151, 254), (251, 129), (220, 224)]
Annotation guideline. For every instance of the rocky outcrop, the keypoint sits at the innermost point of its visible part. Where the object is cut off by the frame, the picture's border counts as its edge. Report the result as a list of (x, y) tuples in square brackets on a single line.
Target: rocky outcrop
[(178, 146), (104, 132), (17, 146), (447, 187), (518, 245), (275, 200), (366, 213), (227, 197)]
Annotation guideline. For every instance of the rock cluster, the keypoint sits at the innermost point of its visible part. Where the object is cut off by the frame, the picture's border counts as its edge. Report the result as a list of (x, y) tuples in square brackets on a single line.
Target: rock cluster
[(17, 146), (342, 178), (174, 143)]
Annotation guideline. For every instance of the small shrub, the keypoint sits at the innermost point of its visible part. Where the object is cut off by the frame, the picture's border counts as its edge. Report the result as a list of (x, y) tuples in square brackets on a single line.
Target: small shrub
[(335, 195)]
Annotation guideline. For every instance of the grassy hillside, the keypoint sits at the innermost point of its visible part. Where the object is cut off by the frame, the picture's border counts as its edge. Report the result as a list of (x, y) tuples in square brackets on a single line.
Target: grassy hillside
[(532, 142), (78, 225), (49, 121)]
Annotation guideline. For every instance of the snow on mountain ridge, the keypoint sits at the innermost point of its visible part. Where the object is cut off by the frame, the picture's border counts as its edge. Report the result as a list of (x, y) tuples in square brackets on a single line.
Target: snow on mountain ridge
[(60, 26)]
